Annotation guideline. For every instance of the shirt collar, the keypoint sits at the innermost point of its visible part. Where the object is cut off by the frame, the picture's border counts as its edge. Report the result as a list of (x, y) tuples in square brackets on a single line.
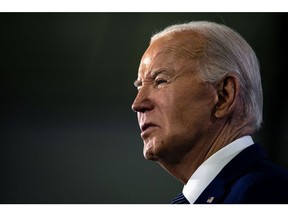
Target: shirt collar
[(212, 166)]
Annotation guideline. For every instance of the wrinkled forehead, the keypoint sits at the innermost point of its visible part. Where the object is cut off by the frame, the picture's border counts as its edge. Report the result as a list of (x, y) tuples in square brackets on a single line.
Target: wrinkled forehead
[(188, 45)]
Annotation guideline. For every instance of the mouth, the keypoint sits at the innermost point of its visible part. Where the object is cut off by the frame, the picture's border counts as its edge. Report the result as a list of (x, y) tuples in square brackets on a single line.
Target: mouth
[(146, 126), (147, 129)]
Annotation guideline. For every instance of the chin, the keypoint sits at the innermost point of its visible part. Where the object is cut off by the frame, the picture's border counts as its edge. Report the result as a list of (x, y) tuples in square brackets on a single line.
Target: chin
[(150, 156), (149, 153)]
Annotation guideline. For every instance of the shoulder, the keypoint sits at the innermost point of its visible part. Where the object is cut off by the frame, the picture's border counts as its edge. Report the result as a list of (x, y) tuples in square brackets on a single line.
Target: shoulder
[(264, 183)]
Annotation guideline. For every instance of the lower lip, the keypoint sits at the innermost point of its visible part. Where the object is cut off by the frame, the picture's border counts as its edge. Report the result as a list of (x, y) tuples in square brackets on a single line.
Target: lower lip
[(148, 130)]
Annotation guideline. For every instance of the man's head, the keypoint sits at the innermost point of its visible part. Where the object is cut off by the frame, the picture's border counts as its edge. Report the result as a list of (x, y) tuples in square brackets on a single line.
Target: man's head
[(197, 82)]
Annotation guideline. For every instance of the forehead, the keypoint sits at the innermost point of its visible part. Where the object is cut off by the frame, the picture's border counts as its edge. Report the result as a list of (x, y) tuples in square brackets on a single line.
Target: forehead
[(172, 49)]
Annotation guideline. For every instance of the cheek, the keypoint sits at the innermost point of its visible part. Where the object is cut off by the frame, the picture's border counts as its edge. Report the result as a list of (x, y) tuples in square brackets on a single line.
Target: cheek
[(187, 113), (183, 108)]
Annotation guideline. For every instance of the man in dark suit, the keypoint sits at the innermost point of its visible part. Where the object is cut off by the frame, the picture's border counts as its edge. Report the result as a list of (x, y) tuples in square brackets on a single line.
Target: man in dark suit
[(199, 102)]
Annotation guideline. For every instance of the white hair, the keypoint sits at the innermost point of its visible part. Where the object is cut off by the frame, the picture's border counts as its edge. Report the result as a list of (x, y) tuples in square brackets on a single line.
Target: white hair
[(226, 52)]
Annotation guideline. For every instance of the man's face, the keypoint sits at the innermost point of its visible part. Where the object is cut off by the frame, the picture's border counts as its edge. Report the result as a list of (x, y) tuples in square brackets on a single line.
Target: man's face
[(174, 108)]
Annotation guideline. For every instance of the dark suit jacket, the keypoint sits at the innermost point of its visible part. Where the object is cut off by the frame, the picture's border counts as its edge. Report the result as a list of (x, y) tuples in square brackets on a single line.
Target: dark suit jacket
[(249, 178)]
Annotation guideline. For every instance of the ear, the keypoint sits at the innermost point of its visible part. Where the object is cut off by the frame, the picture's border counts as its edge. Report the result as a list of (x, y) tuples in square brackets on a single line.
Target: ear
[(227, 91)]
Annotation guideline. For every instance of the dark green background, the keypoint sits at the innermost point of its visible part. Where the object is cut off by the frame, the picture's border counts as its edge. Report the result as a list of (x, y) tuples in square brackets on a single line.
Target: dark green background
[(68, 134)]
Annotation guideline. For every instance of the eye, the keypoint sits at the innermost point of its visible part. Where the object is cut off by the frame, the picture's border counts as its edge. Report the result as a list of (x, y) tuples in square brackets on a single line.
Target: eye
[(160, 81)]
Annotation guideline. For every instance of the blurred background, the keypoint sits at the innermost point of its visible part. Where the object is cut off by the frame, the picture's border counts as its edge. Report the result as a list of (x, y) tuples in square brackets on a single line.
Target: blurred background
[(68, 134)]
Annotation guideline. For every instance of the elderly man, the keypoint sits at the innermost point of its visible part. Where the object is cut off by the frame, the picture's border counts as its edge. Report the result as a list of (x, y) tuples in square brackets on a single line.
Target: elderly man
[(199, 102)]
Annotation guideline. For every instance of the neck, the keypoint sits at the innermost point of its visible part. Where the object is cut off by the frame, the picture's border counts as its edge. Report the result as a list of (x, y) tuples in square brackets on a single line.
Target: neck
[(206, 146)]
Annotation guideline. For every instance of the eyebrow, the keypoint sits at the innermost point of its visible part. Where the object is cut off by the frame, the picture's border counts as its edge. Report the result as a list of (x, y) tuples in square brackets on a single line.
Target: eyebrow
[(163, 71), (153, 75), (137, 83)]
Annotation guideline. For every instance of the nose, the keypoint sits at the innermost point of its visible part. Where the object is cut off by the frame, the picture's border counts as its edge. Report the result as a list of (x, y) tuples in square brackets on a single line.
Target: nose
[(142, 102)]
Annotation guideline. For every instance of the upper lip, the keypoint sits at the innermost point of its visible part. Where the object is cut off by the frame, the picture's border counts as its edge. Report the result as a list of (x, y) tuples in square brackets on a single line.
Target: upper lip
[(146, 125)]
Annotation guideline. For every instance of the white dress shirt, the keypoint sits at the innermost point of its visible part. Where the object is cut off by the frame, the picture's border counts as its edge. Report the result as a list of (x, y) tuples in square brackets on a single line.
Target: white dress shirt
[(212, 166)]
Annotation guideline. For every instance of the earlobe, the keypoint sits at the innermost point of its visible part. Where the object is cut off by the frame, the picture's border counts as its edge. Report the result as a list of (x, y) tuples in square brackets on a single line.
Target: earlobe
[(227, 91)]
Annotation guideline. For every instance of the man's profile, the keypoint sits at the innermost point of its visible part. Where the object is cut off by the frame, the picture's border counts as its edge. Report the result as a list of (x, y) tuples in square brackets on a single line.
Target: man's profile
[(199, 102)]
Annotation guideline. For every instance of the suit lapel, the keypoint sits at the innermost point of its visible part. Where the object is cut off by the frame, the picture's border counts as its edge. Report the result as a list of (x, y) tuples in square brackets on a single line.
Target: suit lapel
[(237, 167)]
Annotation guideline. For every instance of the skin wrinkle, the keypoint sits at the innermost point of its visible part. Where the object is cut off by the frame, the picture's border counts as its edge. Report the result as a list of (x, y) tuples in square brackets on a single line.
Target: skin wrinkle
[(192, 117), (154, 69), (180, 51)]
